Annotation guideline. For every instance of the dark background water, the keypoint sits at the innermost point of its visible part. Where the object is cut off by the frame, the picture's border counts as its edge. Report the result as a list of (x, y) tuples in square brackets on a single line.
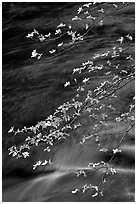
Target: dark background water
[(32, 89)]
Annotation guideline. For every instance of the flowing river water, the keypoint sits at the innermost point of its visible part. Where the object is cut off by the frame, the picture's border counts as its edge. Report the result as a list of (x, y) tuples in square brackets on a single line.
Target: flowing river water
[(33, 89)]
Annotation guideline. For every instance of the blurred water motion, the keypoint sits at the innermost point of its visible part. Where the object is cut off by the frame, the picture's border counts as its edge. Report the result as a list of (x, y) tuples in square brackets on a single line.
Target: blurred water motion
[(33, 89), (57, 187)]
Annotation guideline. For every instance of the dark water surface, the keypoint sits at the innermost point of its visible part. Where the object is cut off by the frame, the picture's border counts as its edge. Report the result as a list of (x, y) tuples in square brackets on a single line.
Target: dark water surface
[(33, 89)]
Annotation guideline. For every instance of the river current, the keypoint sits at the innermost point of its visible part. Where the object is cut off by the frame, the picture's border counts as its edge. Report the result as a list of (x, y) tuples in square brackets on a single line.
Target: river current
[(34, 88)]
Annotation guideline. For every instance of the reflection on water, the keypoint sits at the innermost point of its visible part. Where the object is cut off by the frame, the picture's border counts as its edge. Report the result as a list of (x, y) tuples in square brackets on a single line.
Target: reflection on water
[(33, 89)]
